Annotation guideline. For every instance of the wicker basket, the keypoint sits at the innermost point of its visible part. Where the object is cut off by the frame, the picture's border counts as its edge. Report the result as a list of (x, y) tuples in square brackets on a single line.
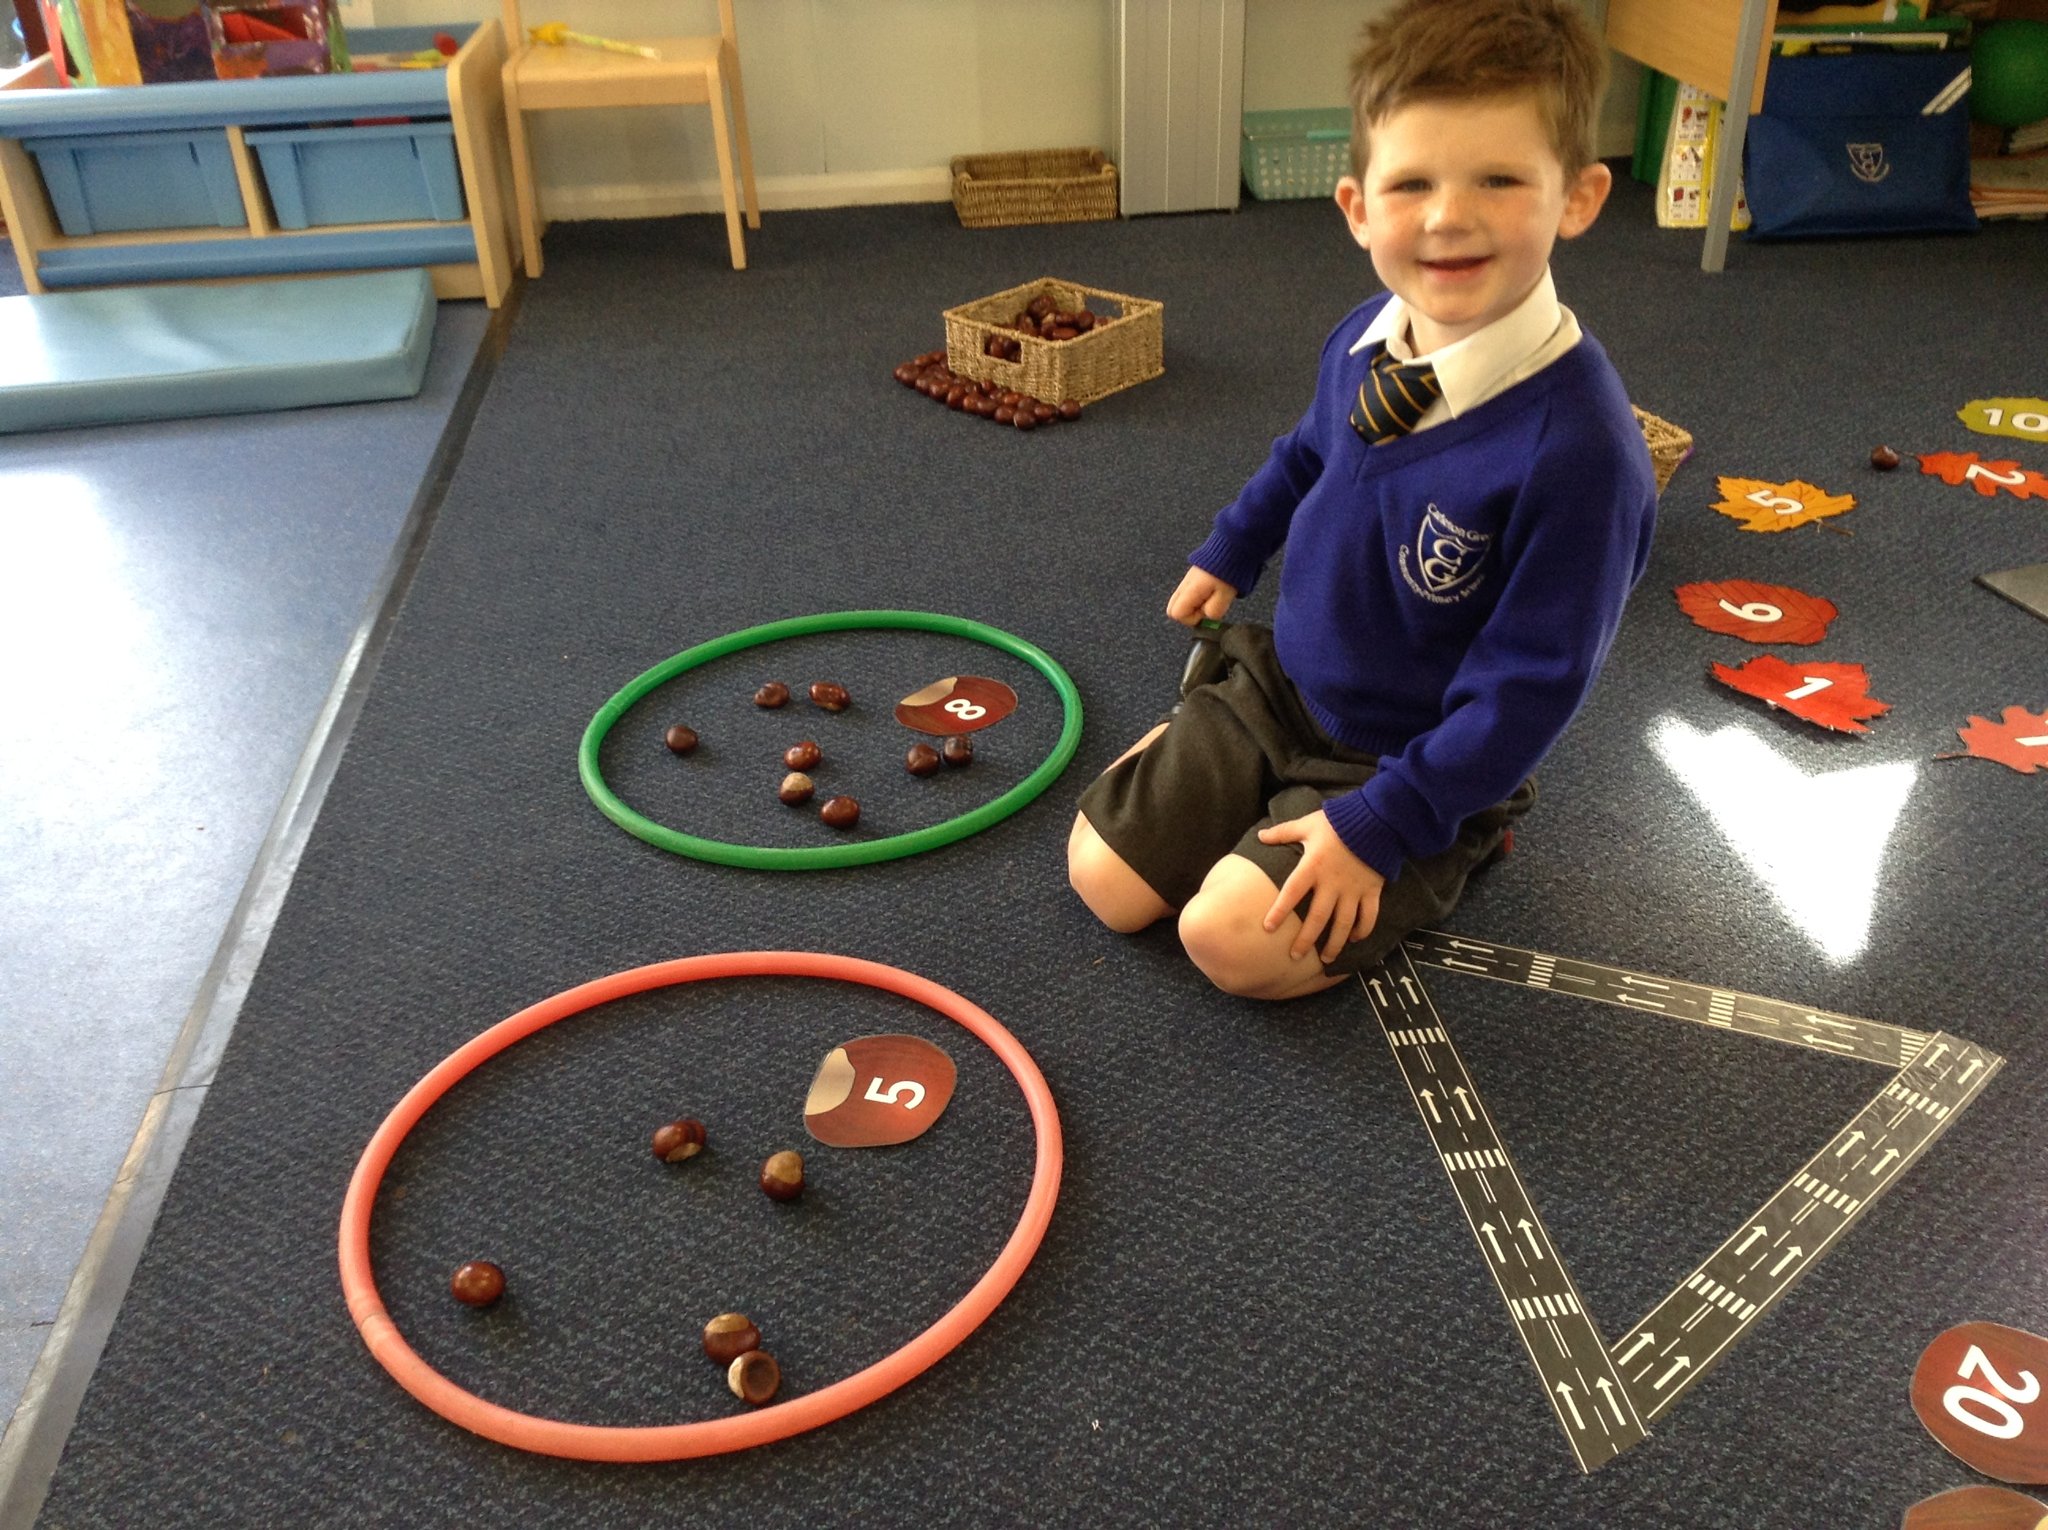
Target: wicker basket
[(1295, 154), (1126, 346), (1034, 186), (1668, 445)]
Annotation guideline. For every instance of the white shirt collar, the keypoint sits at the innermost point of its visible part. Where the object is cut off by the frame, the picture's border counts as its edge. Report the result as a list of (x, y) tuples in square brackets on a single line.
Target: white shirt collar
[(1471, 370)]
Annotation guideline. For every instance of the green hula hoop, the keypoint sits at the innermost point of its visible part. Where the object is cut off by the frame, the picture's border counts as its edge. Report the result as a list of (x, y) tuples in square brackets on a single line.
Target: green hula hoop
[(855, 853)]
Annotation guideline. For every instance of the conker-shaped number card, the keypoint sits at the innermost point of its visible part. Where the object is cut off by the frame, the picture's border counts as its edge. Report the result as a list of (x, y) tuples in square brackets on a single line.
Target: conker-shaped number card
[(957, 704), (1977, 1388), (875, 1091)]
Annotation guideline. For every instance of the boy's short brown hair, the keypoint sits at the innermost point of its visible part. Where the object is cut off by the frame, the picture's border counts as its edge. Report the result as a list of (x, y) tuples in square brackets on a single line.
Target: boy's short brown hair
[(1439, 50)]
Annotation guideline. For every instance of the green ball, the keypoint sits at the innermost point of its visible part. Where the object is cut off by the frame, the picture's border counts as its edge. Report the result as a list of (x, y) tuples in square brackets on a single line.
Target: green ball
[(2009, 73)]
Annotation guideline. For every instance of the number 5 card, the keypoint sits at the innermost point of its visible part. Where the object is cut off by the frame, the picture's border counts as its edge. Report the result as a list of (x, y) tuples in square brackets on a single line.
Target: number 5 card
[(876, 1091)]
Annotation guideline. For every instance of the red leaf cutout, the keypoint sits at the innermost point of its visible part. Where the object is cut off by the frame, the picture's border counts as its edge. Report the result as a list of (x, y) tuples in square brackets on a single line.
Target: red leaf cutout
[(1832, 695), (1757, 613), (1987, 478), (2018, 741)]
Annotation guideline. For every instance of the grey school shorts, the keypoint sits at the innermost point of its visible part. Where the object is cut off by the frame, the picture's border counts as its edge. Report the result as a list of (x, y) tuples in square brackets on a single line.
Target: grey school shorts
[(1242, 754)]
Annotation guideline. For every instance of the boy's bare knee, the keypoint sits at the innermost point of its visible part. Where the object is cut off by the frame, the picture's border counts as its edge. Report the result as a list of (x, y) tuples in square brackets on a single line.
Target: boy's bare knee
[(1114, 893), (1224, 933)]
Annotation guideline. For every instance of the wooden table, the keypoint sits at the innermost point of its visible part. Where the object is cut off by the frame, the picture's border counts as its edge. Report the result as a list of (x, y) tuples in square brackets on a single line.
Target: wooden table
[(1721, 47)]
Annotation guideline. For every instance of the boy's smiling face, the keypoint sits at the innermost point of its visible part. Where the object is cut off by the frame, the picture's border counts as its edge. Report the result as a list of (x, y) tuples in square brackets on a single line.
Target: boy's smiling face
[(1460, 204)]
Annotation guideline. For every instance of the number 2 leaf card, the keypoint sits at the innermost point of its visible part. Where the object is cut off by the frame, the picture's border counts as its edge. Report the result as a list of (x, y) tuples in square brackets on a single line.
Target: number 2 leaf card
[(1764, 506), (1987, 478), (1756, 613), (2018, 740), (1832, 696)]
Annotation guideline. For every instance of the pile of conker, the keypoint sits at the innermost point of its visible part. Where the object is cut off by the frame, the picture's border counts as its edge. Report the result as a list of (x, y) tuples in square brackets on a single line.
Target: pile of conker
[(930, 375)]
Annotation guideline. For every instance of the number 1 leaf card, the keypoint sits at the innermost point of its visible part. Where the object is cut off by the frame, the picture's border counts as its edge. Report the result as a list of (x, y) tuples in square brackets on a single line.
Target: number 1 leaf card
[(1829, 695), (1987, 478), (1756, 613), (1764, 506), (2019, 740)]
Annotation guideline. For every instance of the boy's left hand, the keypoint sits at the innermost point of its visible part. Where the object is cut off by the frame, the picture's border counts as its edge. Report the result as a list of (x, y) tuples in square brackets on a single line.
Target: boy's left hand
[(1343, 892)]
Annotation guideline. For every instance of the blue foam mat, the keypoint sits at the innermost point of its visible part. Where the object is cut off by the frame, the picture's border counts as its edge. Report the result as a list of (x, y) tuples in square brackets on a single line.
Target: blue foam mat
[(167, 352)]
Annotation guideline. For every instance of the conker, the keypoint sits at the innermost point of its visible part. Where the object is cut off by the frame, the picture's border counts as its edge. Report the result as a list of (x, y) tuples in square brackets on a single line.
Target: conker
[(803, 756), (832, 698), (782, 1176), (754, 1377), (837, 812), (679, 1140), (730, 1335), (1884, 459), (922, 760), (957, 751), (773, 694), (796, 788), (1070, 409), (1024, 419), (479, 1283), (680, 739)]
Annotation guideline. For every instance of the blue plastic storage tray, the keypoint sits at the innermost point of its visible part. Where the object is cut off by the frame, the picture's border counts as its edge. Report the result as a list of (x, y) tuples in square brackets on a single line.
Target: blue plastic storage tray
[(393, 173), (118, 182)]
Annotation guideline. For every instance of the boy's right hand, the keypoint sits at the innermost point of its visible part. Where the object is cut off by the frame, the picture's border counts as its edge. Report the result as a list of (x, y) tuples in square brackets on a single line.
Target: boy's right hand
[(1201, 594)]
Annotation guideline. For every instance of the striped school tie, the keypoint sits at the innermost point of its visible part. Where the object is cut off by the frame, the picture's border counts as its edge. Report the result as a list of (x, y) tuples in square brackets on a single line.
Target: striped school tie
[(1393, 397)]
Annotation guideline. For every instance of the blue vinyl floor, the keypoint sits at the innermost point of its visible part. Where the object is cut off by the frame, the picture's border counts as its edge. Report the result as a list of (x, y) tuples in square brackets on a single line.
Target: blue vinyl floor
[(176, 601)]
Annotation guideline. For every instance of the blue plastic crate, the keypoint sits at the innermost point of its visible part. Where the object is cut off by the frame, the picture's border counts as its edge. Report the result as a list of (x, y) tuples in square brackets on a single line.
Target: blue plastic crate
[(113, 183), (393, 173)]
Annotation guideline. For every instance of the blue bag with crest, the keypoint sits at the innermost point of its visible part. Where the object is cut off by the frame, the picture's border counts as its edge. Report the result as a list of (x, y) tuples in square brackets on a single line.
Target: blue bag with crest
[(1861, 143)]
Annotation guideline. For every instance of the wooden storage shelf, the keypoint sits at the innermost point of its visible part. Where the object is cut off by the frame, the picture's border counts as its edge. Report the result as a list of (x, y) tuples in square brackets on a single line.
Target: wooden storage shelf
[(470, 257)]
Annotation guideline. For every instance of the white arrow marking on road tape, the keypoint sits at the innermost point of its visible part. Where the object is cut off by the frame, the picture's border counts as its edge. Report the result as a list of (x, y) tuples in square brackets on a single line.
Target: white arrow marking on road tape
[(1850, 1141), (1791, 1254), (1565, 1391), (1429, 1099), (1465, 1099), (1487, 1228), (1607, 1387), (1637, 1003), (1889, 1155), (1975, 1064), (1379, 994), (1755, 1233), (1408, 987), (1680, 1364), (1529, 1232), (1468, 945), (1630, 1353)]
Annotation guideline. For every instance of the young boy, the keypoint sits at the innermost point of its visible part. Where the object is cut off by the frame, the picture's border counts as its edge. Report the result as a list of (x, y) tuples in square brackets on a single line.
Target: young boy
[(1465, 507)]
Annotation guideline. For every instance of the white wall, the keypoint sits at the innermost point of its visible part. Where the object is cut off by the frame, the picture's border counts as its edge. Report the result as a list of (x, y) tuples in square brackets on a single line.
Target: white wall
[(869, 100)]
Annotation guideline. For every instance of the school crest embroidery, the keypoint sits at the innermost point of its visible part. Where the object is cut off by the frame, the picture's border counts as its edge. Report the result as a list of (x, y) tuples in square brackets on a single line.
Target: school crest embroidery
[(1447, 562), (1868, 161)]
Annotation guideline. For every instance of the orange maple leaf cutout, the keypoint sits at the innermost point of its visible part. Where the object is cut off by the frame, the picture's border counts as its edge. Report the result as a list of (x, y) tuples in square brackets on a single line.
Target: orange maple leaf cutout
[(2019, 740), (1757, 613), (1764, 506), (1987, 478), (1831, 695)]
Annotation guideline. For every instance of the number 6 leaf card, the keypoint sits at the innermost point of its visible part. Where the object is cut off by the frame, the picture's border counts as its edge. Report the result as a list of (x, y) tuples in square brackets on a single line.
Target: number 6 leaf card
[(957, 704), (1977, 1388), (1830, 695), (876, 1091), (1762, 506), (1756, 613)]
